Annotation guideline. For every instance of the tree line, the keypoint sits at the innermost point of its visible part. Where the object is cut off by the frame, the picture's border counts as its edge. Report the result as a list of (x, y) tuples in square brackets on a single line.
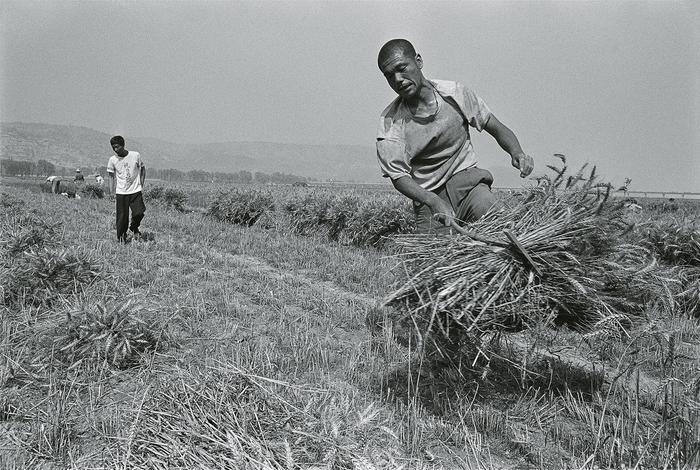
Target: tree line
[(10, 167)]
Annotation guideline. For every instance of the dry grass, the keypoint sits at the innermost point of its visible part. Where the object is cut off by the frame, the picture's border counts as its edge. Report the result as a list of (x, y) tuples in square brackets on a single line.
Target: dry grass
[(268, 362), (224, 417)]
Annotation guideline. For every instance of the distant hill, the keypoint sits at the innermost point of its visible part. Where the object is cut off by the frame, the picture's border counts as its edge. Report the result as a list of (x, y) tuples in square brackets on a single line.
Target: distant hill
[(81, 146), (73, 146)]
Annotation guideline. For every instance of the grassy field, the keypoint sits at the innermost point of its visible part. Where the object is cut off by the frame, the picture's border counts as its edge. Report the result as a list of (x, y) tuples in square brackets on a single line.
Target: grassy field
[(213, 345)]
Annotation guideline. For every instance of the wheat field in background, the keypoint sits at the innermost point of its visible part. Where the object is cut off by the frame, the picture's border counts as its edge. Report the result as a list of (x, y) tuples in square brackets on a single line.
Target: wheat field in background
[(253, 330)]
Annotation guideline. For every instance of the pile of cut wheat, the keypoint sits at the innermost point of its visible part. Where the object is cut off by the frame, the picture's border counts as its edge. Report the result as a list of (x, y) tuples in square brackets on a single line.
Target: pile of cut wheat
[(576, 237), (241, 207), (367, 220), (93, 191), (351, 219), (106, 333), (34, 268), (169, 197)]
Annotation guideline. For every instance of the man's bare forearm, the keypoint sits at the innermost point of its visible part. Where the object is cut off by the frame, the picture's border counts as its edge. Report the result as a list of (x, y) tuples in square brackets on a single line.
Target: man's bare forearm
[(504, 136), (441, 210), (143, 175), (508, 142), (409, 188)]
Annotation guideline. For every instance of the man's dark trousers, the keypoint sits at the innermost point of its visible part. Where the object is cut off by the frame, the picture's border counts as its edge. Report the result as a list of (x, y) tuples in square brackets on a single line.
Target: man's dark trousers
[(138, 209)]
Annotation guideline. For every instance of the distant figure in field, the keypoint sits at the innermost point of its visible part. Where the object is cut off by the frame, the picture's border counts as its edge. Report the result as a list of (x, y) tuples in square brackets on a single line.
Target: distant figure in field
[(424, 146), (127, 174), (55, 185), (79, 178), (99, 180), (54, 181)]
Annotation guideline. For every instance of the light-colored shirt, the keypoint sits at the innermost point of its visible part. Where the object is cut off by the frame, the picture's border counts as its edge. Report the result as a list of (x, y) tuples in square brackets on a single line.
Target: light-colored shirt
[(127, 171), (431, 150)]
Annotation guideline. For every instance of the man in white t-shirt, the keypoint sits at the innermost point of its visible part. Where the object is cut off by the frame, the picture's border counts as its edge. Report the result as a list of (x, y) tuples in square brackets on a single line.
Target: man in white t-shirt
[(127, 174)]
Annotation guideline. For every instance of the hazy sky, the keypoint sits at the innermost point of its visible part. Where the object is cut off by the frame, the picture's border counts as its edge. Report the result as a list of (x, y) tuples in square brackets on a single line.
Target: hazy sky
[(613, 83)]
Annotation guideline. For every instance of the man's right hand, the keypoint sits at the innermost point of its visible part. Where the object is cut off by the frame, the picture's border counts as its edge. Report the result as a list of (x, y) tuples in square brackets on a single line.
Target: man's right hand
[(442, 211)]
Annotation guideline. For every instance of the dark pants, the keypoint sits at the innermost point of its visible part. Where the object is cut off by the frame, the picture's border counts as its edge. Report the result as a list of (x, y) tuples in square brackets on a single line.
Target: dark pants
[(138, 208), (469, 194)]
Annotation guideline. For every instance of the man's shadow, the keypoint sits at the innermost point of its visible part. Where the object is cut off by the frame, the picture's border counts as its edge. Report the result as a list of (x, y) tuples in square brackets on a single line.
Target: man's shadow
[(436, 381), (148, 237), (144, 238)]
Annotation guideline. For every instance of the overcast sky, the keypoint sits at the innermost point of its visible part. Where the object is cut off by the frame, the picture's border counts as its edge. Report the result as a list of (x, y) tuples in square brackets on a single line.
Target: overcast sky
[(613, 83)]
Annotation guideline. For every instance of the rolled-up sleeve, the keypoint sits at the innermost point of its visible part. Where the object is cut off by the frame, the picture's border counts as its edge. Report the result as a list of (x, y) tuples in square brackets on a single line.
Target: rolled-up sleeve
[(391, 154), (391, 146), (477, 113)]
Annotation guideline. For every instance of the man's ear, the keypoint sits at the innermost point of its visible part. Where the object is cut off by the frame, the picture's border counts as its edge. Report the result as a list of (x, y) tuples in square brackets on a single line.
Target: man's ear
[(419, 61)]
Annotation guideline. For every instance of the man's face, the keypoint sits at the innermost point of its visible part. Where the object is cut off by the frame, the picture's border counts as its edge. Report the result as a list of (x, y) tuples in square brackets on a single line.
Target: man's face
[(403, 73), (118, 149)]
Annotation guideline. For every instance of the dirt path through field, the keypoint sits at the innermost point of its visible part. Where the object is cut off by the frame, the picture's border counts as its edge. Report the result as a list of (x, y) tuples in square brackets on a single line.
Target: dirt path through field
[(325, 287), (267, 298)]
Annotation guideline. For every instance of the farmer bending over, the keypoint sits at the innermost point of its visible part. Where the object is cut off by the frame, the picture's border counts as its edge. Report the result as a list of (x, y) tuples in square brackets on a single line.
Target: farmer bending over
[(423, 142), (127, 174), (55, 183)]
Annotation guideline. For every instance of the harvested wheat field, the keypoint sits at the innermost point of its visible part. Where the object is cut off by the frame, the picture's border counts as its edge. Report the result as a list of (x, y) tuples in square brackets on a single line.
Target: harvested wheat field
[(304, 328)]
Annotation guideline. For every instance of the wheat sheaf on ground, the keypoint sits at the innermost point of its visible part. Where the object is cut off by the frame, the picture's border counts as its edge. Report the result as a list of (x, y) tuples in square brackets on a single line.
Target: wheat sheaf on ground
[(575, 235)]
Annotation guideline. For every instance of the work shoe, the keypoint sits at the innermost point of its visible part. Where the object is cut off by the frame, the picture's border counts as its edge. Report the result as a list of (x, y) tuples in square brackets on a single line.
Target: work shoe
[(137, 235)]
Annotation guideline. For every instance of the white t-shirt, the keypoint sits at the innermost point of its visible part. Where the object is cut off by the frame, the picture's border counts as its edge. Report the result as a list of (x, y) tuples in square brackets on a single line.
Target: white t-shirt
[(127, 170)]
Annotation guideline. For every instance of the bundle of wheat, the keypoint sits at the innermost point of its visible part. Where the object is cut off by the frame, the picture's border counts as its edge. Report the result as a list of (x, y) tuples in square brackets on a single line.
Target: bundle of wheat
[(308, 213), (567, 229), (339, 213), (93, 191), (106, 333), (169, 197), (377, 219), (241, 207), (351, 219), (685, 290), (21, 231), (674, 243), (38, 276)]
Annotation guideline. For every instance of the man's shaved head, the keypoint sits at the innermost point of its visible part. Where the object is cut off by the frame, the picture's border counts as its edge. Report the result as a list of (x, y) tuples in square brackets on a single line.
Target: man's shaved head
[(393, 46)]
